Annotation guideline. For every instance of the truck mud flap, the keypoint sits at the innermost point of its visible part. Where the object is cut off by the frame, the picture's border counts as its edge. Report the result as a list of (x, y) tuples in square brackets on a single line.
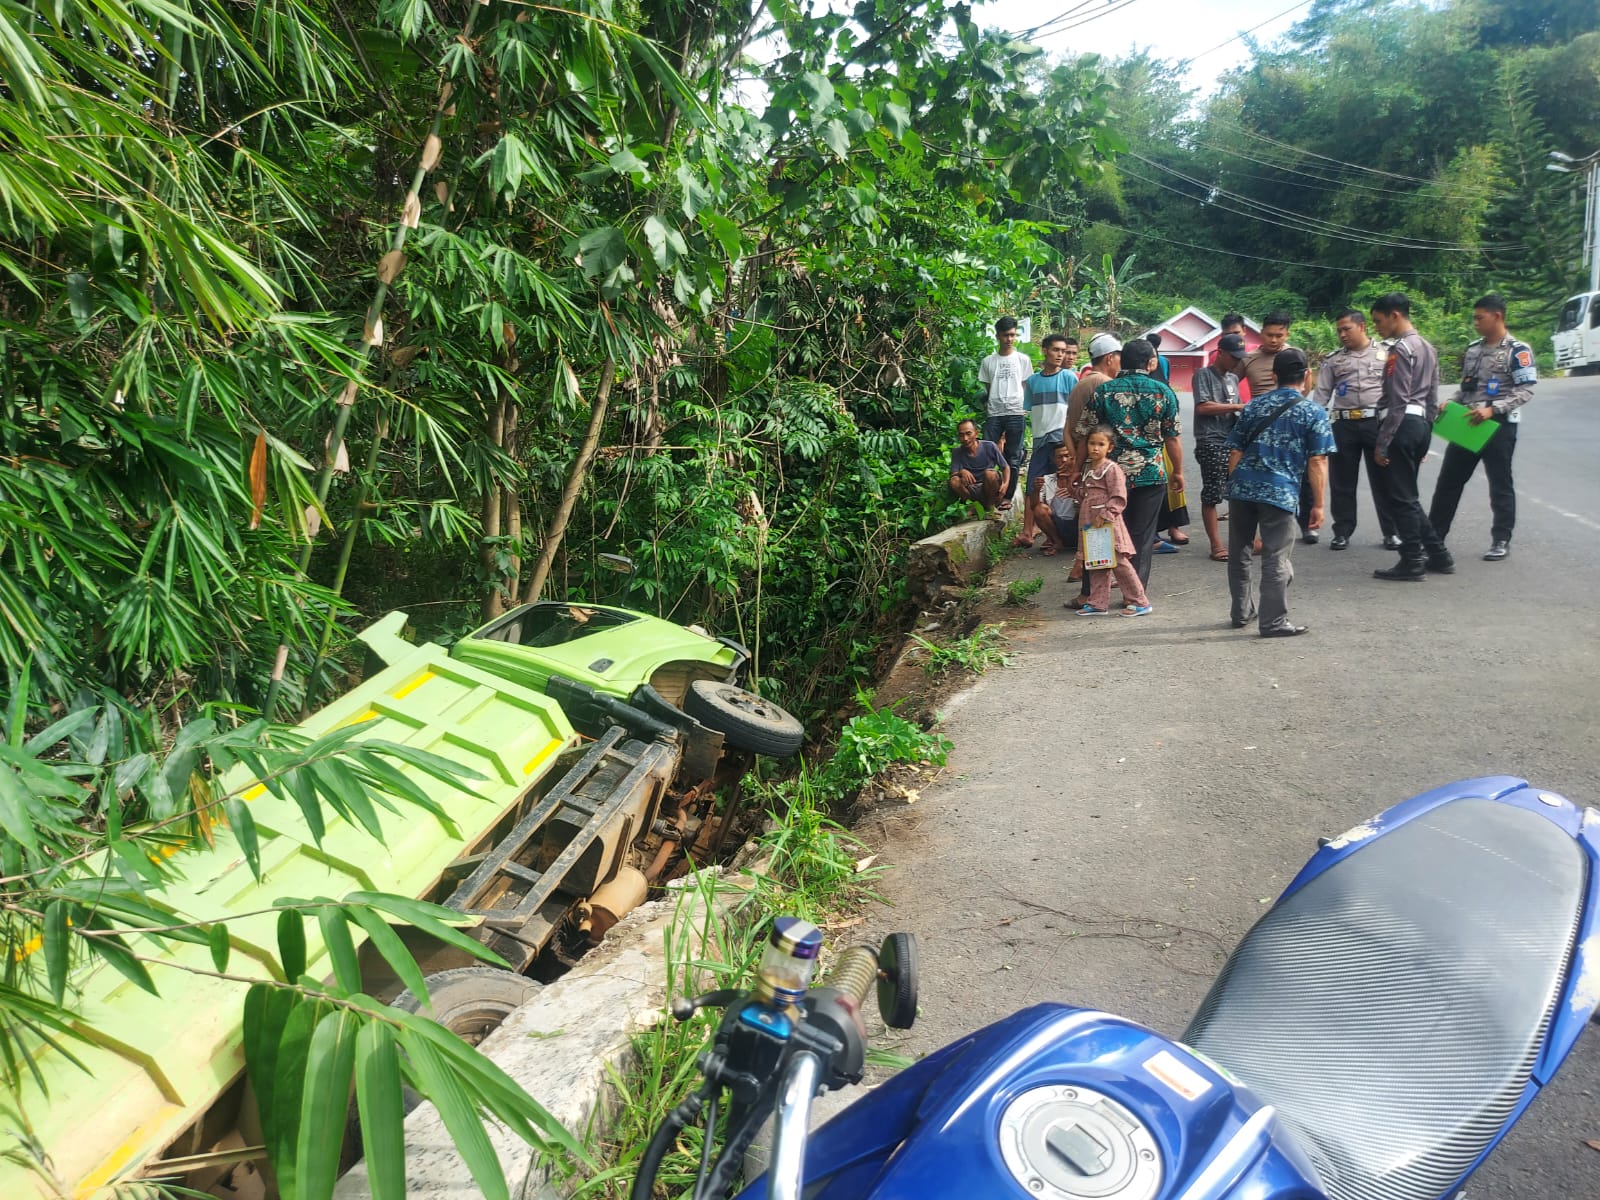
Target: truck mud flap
[(608, 798)]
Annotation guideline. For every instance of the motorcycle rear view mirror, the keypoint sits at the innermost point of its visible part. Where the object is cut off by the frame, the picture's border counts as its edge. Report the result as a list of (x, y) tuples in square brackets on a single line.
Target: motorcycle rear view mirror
[(897, 980), (619, 564)]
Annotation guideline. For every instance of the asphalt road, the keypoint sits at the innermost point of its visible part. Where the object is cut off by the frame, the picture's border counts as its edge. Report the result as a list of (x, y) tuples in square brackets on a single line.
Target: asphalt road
[(1125, 799)]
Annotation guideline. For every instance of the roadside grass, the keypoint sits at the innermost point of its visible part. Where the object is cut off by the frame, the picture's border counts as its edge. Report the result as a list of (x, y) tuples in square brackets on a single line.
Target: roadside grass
[(981, 649), (1020, 591)]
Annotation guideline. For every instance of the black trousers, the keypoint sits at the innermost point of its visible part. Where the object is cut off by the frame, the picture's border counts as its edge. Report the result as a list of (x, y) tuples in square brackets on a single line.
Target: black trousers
[(1302, 516), (1399, 482), (1147, 509), (1355, 441), (1459, 464)]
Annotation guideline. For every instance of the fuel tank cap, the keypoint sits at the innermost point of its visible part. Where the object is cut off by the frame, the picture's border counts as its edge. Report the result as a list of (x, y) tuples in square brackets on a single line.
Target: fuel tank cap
[(1073, 1143)]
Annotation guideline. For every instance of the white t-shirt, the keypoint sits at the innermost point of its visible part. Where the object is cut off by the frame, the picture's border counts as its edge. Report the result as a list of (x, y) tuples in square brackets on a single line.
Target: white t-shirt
[(1003, 374), (1056, 496)]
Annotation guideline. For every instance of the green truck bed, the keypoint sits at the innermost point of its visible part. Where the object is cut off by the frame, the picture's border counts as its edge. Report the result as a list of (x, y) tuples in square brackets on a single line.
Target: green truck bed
[(157, 1063)]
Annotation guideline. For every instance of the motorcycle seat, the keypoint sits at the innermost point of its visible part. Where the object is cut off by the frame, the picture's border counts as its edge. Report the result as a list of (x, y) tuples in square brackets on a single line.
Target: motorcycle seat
[(1392, 1008)]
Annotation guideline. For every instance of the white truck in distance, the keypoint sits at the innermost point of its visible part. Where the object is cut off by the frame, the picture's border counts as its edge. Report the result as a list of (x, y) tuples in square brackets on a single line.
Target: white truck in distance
[(1577, 337)]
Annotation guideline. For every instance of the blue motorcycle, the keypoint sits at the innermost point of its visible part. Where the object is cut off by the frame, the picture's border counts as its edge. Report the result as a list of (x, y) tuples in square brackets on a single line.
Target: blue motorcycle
[(1373, 1037)]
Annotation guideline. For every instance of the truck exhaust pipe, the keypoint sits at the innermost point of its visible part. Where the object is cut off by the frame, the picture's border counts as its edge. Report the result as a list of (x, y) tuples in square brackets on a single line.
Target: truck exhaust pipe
[(614, 900)]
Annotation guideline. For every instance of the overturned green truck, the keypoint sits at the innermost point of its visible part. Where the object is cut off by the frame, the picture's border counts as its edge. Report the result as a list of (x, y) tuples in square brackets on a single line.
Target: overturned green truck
[(603, 739)]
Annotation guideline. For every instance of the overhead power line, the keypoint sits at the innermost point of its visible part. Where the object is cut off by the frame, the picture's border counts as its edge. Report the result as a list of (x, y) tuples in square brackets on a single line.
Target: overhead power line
[(1243, 33), (1317, 225), (1305, 226), (1065, 14), (1074, 18), (1293, 149), (1333, 181), (1285, 262)]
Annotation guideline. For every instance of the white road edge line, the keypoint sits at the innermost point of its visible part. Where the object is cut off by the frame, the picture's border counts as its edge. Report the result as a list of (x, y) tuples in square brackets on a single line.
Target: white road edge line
[(1571, 516)]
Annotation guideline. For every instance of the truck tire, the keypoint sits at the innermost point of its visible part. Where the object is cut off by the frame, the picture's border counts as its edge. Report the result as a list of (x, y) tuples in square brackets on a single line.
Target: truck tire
[(745, 720), (472, 1002)]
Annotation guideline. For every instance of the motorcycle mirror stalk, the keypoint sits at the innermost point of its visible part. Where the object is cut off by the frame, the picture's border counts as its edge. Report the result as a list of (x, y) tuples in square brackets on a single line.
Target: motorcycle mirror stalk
[(784, 1034)]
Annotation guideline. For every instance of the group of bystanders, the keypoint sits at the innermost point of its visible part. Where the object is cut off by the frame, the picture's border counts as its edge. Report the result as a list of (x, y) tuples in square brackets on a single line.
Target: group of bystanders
[(1107, 453)]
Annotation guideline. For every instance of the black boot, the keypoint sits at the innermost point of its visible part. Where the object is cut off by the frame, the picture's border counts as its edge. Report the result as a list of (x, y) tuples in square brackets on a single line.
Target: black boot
[(1442, 562), (1407, 570)]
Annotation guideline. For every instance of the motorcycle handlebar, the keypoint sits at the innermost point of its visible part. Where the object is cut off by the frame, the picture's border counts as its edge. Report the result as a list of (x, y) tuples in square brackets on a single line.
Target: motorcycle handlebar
[(786, 1173), (856, 973)]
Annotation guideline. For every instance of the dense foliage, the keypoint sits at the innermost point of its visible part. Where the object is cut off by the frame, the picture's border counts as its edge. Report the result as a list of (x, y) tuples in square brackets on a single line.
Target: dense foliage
[(1391, 140), (311, 310)]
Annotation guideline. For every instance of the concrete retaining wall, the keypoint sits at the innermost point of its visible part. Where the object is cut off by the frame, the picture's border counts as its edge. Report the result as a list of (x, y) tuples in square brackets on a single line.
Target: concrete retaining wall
[(563, 1046), (954, 555)]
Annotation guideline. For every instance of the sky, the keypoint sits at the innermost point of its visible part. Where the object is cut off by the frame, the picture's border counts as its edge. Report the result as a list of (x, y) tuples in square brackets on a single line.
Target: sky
[(1170, 29)]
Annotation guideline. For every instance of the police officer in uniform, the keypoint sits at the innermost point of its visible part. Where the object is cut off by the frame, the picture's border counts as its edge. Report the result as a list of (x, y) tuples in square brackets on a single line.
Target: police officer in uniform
[(1409, 408), (1497, 378), (1350, 387)]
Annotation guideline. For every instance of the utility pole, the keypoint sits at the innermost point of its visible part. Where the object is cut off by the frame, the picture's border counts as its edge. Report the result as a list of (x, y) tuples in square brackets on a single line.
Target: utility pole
[(1590, 167)]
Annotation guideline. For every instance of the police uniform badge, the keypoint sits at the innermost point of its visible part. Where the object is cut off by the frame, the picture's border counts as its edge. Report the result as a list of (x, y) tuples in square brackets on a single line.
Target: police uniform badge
[(1522, 367)]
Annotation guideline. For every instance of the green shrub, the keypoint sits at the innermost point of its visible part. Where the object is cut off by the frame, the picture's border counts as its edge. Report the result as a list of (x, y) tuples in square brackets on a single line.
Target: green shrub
[(874, 741), (981, 649), (1020, 591)]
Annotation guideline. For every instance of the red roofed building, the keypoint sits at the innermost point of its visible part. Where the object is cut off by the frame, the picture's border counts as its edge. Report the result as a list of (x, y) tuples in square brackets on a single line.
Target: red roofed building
[(1189, 339)]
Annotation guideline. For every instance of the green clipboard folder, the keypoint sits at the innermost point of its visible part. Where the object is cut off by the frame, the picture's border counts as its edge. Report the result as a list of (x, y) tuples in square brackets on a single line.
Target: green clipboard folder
[(1454, 427)]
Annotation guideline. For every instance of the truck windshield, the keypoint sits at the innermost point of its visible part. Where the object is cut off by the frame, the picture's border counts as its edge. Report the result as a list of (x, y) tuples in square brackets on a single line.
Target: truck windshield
[(1572, 313), (554, 624)]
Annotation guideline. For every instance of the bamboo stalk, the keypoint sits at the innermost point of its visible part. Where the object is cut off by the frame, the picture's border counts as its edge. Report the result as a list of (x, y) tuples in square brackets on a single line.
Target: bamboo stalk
[(346, 549), (569, 494), (493, 503), (513, 507), (372, 337)]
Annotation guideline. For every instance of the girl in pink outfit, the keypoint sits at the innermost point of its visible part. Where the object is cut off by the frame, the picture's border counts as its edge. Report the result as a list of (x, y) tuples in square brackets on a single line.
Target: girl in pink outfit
[(1103, 496)]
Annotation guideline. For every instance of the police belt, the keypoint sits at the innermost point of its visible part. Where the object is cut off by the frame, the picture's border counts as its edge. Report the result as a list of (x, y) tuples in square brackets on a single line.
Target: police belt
[(1412, 410), (1354, 414)]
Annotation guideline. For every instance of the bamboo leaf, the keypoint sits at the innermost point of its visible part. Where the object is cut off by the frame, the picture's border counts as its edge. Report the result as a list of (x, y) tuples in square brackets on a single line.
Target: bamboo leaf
[(115, 952), (378, 1101), (57, 949), (502, 1095), (430, 918), (244, 829), (292, 943), (258, 479), (341, 946), (266, 1013), (393, 951), (438, 1083), (60, 731), (221, 946), (330, 1060), (292, 1065), (14, 805)]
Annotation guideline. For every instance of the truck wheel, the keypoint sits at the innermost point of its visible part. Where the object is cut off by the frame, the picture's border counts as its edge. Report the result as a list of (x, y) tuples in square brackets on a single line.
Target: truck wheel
[(745, 720), (472, 1002)]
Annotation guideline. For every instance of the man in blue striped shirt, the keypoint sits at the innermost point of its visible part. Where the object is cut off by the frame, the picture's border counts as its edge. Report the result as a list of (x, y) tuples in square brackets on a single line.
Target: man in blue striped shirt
[(1044, 399)]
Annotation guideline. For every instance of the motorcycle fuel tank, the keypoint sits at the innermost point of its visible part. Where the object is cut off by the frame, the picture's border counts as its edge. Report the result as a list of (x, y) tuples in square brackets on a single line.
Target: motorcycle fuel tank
[(1059, 1103)]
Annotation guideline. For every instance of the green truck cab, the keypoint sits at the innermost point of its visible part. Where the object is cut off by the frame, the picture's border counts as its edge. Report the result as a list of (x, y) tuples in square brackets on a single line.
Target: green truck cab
[(601, 736)]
